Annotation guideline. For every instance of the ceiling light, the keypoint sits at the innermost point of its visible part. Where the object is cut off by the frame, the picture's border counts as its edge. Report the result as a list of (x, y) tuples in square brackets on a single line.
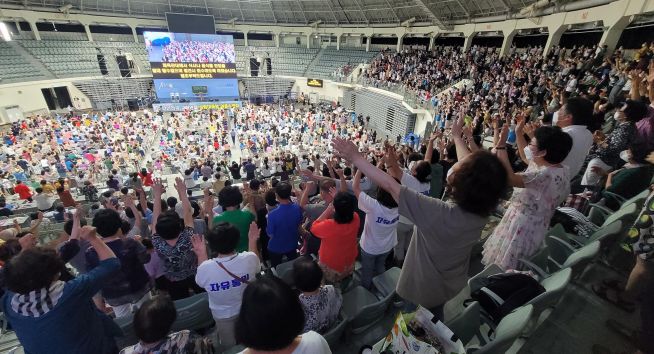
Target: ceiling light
[(4, 32)]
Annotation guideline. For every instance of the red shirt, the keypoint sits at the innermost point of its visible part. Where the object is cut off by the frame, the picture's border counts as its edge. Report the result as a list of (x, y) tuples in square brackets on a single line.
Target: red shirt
[(146, 178), (338, 246), (23, 191)]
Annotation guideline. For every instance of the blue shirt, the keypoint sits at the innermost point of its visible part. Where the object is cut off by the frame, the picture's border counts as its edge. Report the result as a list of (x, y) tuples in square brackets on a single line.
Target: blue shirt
[(283, 223), (74, 324)]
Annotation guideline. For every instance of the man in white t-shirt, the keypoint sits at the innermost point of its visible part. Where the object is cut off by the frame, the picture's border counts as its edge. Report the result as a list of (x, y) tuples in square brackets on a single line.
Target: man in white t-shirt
[(226, 276)]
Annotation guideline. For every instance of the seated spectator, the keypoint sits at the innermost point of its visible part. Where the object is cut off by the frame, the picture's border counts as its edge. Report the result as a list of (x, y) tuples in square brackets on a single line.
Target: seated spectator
[(152, 323), (230, 199), (90, 192), (65, 197), (321, 303), (113, 183), (172, 241), (227, 275), (44, 201), (60, 214), (337, 228), (4, 210), (605, 154), (130, 287), (633, 178), (52, 316), (271, 320), (23, 191), (282, 226)]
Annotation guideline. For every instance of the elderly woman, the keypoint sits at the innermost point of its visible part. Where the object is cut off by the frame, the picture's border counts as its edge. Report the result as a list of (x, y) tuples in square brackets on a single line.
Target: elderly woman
[(436, 266), (605, 154), (542, 187), (52, 316), (321, 303)]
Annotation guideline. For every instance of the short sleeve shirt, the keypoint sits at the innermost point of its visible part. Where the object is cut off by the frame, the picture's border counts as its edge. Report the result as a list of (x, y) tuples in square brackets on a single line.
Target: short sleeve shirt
[(180, 262)]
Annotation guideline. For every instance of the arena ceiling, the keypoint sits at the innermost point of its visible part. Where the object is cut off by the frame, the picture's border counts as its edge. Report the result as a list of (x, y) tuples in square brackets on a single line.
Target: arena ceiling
[(294, 12)]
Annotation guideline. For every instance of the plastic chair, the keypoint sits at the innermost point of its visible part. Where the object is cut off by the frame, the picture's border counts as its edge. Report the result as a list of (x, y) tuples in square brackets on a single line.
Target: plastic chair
[(126, 324), (599, 212), (507, 331), (334, 334), (545, 262), (386, 283), (363, 308), (466, 324), (284, 271), (554, 286), (193, 313)]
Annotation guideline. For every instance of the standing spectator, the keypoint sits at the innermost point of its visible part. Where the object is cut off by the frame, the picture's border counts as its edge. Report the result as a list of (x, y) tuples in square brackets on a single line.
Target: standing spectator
[(230, 199), (52, 316), (544, 186), (379, 230), (250, 169), (130, 287), (172, 241), (283, 224), (337, 228), (227, 275)]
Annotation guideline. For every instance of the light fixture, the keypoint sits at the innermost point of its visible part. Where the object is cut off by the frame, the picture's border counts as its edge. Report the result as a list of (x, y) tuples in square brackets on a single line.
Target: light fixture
[(53, 26), (4, 32)]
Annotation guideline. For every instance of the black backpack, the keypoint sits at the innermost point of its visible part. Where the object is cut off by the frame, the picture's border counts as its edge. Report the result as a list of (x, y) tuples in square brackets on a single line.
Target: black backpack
[(500, 294)]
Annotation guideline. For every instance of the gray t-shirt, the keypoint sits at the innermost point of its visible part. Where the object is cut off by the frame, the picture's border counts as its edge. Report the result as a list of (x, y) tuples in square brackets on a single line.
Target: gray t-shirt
[(436, 265)]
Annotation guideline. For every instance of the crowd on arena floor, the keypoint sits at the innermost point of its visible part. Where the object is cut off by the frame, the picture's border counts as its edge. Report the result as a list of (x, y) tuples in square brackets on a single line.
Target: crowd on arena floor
[(261, 185)]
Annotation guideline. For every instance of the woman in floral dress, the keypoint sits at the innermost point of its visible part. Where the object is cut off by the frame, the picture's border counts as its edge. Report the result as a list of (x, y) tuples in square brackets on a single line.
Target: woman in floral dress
[(539, 190)]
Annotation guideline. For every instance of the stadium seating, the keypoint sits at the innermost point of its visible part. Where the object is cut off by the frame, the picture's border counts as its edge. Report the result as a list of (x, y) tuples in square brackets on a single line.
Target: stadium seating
[(14, 67), (331, 59)]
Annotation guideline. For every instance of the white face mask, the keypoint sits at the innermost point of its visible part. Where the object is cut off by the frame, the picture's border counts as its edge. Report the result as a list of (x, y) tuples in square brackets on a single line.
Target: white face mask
[(555, 117), (528, 154), (616, 115), (624, 155)]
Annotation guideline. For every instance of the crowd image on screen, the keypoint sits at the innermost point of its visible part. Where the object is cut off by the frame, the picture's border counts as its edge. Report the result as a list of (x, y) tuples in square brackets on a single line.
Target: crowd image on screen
[(199, 52), (266, 220)]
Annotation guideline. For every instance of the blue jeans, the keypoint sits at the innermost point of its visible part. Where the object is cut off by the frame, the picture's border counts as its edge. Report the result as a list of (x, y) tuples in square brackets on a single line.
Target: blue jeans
[(371, 265)]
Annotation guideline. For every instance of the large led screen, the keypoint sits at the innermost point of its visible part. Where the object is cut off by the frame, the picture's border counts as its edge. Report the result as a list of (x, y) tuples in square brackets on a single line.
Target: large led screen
[(190, 67)]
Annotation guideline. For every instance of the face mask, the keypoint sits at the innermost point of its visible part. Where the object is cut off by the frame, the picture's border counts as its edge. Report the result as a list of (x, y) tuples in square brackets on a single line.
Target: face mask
[(555, 117), (528, 154), (411, 165), (624, 155), (616, 115)]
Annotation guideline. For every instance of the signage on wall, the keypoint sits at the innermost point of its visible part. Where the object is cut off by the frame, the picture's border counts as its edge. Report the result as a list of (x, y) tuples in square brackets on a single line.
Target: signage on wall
[(314, 82)]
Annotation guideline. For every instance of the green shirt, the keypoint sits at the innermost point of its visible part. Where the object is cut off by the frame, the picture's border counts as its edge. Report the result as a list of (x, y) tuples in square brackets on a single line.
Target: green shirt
[(241, 219)]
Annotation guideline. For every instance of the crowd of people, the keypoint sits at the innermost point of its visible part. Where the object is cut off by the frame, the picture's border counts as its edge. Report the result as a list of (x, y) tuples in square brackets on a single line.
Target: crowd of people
[(203, 201), (199, 52)]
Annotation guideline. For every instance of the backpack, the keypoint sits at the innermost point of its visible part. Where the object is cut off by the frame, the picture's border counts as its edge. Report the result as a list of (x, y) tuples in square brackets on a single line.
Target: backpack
[(500, 294)]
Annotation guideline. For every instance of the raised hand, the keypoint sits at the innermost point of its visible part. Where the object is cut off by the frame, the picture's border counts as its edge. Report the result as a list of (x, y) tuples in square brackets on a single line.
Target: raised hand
[(457, 125), (28, 241), (87, 233), (157, 187), (345, 148), (253, 232), (180, 186), (504, 134), (199, 246)]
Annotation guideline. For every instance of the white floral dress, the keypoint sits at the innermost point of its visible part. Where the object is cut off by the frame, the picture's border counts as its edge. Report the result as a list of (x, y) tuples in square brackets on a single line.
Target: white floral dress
[(523, 227)]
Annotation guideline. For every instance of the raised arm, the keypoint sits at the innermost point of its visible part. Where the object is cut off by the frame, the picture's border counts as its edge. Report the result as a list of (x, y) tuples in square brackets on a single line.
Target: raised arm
[(356, 183), (457, 132), (308, 188), (186, 203), (128, 200), (392, 162), (157, 190), (341, 178), (520, 138), (515, 180), (349, 151), (430, 145), (253, 237)]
